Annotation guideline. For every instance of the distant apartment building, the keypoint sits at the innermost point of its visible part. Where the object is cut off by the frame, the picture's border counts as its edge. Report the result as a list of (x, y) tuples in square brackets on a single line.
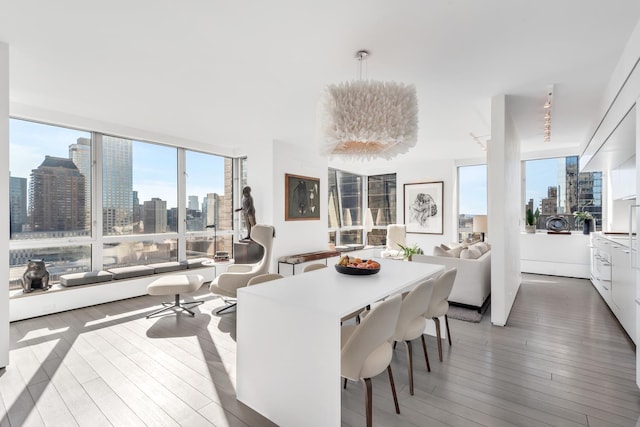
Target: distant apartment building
[(117, 185), (57, 196), (80, 154), (155, 216), (17, 203)]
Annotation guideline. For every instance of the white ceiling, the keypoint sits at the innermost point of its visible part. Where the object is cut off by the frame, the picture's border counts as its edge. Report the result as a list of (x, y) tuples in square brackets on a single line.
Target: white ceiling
[(236, 73)]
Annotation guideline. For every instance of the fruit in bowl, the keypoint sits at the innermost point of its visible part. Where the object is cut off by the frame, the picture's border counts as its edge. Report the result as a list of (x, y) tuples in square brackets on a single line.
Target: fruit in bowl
[(354, 265)]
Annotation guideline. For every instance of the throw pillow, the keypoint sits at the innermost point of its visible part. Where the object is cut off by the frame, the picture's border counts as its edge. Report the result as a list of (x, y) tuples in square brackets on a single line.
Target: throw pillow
[(470, 253), (455, 252), (481, 247), (444, 247), (438, 251)]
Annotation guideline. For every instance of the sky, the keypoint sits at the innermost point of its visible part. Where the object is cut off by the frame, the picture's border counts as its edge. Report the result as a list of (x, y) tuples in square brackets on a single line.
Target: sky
[(154, 166), (540, 174), (472, 187)]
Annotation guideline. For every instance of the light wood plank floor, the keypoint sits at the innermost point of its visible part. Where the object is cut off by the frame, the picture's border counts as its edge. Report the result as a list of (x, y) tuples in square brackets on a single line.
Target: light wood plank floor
[(562, 360)]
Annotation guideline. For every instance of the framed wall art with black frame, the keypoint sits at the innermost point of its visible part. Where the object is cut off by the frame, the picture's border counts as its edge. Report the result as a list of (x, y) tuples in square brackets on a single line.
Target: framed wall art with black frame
[(302, 198), (423, 207)]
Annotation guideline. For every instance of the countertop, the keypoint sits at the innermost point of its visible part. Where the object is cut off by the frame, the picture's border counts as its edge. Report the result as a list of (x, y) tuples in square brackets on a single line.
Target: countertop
[(620, 239)]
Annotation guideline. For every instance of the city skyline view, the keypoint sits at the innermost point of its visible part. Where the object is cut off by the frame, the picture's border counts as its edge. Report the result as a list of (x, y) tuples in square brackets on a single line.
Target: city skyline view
[(155, 168)]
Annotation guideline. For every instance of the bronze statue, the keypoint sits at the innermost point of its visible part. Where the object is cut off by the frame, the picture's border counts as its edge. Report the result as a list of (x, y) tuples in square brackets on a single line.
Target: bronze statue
[(248, 211), (35, 277)]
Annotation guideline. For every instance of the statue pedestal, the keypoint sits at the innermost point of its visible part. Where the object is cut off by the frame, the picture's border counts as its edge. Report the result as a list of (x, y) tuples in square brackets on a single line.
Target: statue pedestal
[(247, 252)]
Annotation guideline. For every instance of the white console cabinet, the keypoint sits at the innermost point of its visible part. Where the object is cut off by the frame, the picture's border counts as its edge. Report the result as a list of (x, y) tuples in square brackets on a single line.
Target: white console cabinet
[(555, 254)]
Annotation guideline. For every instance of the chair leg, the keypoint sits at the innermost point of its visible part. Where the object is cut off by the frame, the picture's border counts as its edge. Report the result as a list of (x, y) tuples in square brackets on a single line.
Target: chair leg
[(446, 321), (177, 305), (435, 319), (345, 384), (368, 401), (410, 365), (394, 344), (426, 356), (225, 308), (393, 389)]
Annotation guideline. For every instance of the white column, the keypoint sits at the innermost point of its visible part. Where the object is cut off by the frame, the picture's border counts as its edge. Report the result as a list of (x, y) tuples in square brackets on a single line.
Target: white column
[(4, 210), (504, 211)]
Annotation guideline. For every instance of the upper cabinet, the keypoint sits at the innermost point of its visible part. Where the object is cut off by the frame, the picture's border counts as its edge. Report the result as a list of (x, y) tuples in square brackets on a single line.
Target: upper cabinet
[(623, 180), (617, 152)]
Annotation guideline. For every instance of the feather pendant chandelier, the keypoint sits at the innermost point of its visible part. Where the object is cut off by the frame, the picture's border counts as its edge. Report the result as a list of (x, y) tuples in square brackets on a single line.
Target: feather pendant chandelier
[(366, 119)]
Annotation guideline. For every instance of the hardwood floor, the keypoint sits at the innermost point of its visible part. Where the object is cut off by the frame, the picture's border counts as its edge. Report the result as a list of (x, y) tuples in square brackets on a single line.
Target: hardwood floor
[(562, 360)]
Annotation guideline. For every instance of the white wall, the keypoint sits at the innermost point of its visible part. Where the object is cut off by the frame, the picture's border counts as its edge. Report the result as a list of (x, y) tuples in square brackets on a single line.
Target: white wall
[(424, 170), (266, 173), (504, 210), (4, 211), (410, 169)]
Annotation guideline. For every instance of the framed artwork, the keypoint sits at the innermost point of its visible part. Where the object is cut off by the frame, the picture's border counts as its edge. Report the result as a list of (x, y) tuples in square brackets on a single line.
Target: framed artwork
[(423, 207), (302, 198)]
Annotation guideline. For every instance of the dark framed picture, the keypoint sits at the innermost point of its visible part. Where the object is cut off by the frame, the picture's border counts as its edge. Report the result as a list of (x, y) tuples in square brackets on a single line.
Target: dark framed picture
[(302, 198), (423, 207)]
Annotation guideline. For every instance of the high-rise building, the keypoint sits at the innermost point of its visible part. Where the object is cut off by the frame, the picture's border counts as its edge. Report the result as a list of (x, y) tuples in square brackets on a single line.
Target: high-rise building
[(57, 196), (193, 203), (80, 154), (549, 205), (136, 212), (17, 203), (117, 185), (155, 216), (172, 220)]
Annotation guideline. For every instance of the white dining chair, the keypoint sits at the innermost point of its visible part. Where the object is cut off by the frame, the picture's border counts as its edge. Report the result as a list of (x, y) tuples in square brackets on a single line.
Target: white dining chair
[(411, 322), (439, 305), (366, 349)]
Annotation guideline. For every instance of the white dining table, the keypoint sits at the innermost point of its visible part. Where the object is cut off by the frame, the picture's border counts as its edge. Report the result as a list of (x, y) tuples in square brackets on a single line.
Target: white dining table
[(288, 338)]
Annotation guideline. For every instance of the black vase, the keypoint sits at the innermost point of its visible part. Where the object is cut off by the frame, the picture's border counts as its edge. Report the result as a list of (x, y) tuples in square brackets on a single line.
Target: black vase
[(586, 226)]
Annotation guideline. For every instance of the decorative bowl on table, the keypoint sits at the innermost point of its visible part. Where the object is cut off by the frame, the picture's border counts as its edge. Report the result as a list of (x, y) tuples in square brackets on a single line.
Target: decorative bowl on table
[(358, 267)]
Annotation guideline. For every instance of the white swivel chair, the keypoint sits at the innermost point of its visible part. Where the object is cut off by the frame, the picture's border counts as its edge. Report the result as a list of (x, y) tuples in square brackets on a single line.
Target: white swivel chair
[(264, 278), (396, 235), (238, 275), (411, 322), (366, 349), (439, 305)]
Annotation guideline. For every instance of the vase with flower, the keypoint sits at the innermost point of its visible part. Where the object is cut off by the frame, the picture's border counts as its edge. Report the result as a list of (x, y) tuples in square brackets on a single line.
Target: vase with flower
[(585, 218)]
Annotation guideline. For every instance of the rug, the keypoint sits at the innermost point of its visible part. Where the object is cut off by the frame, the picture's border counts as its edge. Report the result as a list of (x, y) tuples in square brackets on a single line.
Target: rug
[(467, 314)]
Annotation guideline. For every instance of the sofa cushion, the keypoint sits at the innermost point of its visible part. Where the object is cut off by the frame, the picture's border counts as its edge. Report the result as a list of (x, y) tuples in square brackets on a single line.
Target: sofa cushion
[(438, 251), (129, 272), (444, 247), (78, 279), (470, 253), (455, 252), (166, 267), (195, 262)]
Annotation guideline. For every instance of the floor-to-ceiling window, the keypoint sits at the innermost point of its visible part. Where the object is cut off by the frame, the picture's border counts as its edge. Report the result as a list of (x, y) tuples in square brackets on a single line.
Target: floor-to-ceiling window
[(472, 197), (381, 203), (65, 180), (50, 198), (350, 202)]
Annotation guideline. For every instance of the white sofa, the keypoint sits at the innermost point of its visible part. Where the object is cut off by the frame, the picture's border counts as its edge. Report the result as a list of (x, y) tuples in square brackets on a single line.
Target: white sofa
[(473, 280)]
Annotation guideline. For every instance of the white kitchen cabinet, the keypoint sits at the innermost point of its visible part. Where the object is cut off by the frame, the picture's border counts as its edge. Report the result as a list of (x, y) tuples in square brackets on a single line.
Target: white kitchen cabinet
[(614, 279), (623, 180), (623, 288)]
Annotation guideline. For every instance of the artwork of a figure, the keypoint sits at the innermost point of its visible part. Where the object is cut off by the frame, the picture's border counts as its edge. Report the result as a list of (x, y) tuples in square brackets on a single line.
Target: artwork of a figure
[(423, 208), (301, 197), (248, 210), (313, 198)]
